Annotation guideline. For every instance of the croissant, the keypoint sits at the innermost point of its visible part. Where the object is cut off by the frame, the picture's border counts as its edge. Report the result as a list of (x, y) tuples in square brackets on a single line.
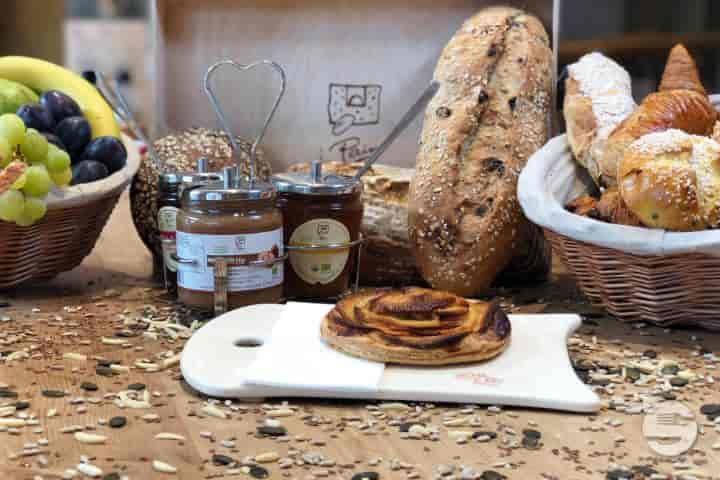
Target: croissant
[(416, 326), (685, 110), (681, 73), (671, 180)]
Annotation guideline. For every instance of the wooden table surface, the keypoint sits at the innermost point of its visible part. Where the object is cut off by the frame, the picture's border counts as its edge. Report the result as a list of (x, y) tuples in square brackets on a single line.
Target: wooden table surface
[(325, 439)]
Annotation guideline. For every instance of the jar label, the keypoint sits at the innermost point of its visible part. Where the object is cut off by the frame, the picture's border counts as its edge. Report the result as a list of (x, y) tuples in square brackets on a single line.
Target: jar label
[(238, 251), (168, 248), (319, 266), (167, 222)]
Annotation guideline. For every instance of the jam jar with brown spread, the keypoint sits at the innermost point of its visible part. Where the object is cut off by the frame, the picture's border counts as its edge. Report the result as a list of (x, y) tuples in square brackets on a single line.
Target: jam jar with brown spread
[(170, 187), (229, 246), (323, 214)]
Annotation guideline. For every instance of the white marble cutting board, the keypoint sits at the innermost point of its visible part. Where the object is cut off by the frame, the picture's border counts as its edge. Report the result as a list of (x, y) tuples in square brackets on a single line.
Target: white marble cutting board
[(256, 352)]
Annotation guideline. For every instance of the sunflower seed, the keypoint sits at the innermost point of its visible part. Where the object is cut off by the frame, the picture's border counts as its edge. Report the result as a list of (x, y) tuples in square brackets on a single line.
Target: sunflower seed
[(222, 460), (89, 386), (256, 471), (118, 422), (366, 476)]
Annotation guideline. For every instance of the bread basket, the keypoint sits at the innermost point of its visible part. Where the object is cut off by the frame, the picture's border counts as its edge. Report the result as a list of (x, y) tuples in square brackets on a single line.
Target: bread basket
[(637, 274), (68, 232)]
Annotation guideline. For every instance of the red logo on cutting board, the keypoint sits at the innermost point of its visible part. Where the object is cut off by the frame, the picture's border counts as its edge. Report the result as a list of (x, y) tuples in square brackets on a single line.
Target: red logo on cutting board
[(480, 379)]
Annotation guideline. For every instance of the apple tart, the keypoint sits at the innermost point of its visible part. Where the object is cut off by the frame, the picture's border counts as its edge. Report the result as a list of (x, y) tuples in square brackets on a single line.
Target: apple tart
[(416, 326)]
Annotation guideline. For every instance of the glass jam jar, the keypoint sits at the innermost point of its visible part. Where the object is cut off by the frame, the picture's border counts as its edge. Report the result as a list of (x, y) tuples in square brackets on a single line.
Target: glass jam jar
[(169, 191), (229, 246), (322, 216)]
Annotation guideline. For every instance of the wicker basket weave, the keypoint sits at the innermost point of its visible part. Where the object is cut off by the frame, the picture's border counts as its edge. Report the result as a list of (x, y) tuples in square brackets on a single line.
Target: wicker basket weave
[(68, 232), (666, 290), (636, 273)]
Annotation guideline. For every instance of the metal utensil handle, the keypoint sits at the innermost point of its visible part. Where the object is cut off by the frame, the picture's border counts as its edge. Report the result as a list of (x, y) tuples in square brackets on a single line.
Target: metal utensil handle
[(115, 98), (417, 107), (254, 263), (222, 118), (325, 246)]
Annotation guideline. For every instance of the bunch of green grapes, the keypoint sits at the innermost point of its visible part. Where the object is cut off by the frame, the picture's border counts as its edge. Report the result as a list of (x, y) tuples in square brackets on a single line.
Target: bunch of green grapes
[(24, 203)]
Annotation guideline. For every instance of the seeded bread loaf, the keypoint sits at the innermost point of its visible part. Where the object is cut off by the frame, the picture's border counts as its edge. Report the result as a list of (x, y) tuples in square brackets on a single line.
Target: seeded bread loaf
[(489, 116)]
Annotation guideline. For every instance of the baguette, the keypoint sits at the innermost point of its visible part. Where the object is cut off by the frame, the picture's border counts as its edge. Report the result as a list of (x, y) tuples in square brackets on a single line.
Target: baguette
[(489, 116)]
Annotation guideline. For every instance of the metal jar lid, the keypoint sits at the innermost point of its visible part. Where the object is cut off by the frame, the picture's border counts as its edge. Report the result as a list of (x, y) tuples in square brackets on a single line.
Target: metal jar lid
[(172, 180), (229, 190), (315, 183)]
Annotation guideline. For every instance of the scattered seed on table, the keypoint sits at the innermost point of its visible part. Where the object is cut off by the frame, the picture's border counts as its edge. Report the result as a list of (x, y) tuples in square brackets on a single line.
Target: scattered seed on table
[(89, 387), (112, 476), (104, 371), (137, 386), (90, 438), (492, 475), (163, 467), (271, 431), (405, 427), (256, 471), (8, 394), (222, 460), (118, 422), (53, 393), (267, 457), (531, 443), (366, 476), (492, 435), (710, 409), (678, 381)]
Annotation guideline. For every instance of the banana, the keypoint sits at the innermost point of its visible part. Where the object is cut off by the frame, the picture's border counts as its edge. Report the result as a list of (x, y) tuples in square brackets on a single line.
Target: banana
[(42, 76)]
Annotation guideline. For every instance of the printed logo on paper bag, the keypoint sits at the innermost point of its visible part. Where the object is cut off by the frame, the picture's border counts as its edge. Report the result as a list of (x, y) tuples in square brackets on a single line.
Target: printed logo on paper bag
[(479, 379), (353, 105)]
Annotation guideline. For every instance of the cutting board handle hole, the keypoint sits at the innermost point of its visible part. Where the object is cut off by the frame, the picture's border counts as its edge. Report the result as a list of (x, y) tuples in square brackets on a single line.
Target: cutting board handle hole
[(248, 343)]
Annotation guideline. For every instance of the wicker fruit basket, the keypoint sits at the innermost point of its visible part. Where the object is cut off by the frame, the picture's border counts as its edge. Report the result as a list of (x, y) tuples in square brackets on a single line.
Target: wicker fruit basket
[(637, 274), (68, 232)]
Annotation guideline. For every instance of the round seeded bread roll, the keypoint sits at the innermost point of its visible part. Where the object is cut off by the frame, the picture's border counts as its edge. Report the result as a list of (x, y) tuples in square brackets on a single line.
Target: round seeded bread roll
[(671, 180), (416, 326)]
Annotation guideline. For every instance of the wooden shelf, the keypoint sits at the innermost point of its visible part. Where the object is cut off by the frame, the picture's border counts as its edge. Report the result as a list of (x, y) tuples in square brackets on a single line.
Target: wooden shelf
[(637, 43)]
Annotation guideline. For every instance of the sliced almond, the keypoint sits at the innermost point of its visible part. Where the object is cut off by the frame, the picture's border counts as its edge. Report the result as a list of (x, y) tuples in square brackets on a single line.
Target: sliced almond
[(171, 361), (75, 356), (163, 467), (169, 436), (12, 422), (267, 457), (89, 470), (213, 411), (90, 438)]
